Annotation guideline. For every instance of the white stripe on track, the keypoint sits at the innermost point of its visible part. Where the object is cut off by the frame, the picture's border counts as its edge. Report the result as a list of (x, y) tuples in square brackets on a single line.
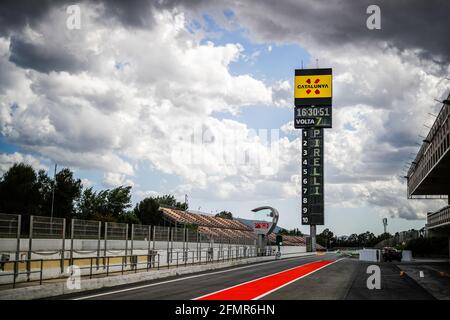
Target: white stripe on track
[(288, 283), (250, 281), (185, 278)]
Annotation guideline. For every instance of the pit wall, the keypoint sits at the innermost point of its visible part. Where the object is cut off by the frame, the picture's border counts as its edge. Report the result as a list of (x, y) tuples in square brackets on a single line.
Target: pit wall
[(92, 262)]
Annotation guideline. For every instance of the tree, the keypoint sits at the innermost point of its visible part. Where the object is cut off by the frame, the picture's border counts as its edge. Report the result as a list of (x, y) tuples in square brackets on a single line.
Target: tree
[(225, 215), (105, 205), (382, 237), (45, 185), (129, 217), (293, 232), (352, 240), (19, 191), (366, 239), (119, 199), (147, 211), (67, 192), (170, 201), (325, 238), (87, 204)]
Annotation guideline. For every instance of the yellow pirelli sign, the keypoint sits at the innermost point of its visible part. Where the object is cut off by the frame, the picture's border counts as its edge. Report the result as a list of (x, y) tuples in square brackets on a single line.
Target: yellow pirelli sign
[(313, 86)]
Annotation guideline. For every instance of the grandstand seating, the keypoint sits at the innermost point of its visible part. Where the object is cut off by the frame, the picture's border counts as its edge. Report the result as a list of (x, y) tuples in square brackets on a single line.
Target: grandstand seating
[(289, 240), (210, 227), (203, 220)]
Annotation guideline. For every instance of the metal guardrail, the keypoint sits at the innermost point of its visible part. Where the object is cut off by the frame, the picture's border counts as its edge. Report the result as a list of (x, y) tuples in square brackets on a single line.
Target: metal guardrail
[(129, 263), (438, 218), (61, 243)]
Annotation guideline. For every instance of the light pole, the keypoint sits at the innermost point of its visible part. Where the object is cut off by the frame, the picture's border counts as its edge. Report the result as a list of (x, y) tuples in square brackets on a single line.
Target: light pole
[(53, 193)]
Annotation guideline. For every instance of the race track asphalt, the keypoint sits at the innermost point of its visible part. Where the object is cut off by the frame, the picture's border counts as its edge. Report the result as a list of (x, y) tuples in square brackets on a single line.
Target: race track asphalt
[(342, 278)]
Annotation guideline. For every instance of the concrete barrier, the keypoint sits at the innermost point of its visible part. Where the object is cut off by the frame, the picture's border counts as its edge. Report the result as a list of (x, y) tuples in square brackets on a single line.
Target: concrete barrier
[(406, 255), (60, 288), (373, 255)]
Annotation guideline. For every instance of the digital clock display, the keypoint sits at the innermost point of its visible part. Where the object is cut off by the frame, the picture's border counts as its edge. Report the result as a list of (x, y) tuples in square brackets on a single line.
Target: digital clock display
[(312, 116)]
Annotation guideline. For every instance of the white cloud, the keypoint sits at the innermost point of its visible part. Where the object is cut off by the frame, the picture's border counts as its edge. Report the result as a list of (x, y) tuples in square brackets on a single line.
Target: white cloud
[(169, 84), (7, 160), (106, 118), (282, 94), (141, 194), (113, 180)]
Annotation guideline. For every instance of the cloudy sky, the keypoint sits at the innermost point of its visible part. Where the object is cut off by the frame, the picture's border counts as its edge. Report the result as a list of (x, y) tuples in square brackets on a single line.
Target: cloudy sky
[(195, 97)]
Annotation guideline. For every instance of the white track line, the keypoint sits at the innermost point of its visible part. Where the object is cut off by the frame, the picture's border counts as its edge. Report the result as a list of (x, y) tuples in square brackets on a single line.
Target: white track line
[(288, 283), (240, 284), (185, 278)]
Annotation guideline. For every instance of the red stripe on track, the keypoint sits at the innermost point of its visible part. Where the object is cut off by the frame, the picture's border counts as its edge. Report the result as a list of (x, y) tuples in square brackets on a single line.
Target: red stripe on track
[(253, 289)]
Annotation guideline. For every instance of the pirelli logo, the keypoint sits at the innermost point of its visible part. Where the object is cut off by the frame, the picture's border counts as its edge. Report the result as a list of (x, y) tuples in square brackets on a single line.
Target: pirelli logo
[(312, 177)]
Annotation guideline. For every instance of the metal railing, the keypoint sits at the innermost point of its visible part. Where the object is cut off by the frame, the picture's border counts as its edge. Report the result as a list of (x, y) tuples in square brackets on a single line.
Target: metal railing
[(59, 243), (439, 218), (123, 264), (434, 147)]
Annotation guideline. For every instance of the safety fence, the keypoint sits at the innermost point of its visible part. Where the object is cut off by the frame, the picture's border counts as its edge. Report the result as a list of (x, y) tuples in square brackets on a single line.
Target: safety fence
[(99, 248), (17, 272)]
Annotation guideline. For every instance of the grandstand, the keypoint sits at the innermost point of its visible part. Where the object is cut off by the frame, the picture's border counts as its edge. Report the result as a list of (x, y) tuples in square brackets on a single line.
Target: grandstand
[(289, 240), (219, 228), (210, 226), (428, 176)]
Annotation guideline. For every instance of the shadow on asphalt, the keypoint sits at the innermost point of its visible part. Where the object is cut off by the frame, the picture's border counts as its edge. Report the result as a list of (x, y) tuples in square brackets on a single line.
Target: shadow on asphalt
[(395, 285)]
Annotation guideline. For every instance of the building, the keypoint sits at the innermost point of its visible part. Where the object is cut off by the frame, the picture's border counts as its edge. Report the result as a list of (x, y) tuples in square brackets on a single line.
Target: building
[(429, 174), (220, 229)]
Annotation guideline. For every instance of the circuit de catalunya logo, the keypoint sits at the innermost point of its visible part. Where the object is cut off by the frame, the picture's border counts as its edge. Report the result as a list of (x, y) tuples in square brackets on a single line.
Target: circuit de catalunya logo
[(316, 86)]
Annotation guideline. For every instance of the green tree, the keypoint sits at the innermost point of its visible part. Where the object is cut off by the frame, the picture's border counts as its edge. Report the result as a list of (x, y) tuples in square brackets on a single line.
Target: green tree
[(225, 215), (67, 192), (19, 191), (119, 199), (129, 217), (170, 201), (87, 204), (325, 238), (366, 239), (45, 185), (105, 205), (293, 232), (147, 211), (352, 240)]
